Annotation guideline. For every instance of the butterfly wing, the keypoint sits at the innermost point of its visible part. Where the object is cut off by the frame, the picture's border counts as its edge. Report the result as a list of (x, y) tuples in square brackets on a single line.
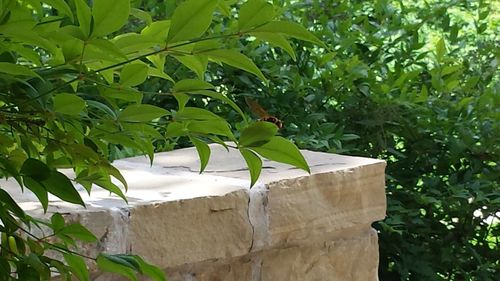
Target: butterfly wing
[(256, 108), (262, 113)]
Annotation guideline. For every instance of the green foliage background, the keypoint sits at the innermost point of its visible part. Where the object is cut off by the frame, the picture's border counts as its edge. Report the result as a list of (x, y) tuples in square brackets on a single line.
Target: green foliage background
[(415, 83)]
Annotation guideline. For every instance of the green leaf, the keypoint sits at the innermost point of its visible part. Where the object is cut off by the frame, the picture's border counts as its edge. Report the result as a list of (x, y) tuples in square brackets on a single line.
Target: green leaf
[(35, 5), (39, 191), (61, 268), (290, 29), (182, 100), (113, 264), (194, 113), (11, 204), (176, 129), (84, 16), (216, 127), (69, 104), (79, 232), (61, 6), (189, 85), (440, 49), (236, 59), (130, 43), (57, 221), (158, 60), (142, 15), (142, 130), (254, 164), (77, 266), (101, 107), (9, 169), (191, 19), (149, 270), (33, 261), (16, 69), (28, 53), (219, 96), (126, 260), (111, 187), (141, 113), (133, 74), (203, 152), (59, 185), (156, 72), (107, 47), (109, 15), (35, 169), (224, 8), (276, 40), (254, 13), (5, 269), (157, 30), (282, 150), (197, 63), (126, 94), (257, 134), (111, 170)]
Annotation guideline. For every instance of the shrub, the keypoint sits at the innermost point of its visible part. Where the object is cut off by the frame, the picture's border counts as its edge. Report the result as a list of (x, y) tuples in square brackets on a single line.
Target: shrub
[(415, 83), (70, 80)]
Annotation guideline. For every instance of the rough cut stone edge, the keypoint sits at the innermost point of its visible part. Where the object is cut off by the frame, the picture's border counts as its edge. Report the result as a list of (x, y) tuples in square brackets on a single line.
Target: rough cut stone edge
[(264, 234)]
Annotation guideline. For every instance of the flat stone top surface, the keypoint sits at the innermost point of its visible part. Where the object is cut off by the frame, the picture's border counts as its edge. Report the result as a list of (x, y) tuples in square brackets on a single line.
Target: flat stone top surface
[(175, 176)]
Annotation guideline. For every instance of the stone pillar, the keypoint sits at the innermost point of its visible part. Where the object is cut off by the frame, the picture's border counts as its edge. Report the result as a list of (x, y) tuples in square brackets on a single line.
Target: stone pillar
[(213, 227)]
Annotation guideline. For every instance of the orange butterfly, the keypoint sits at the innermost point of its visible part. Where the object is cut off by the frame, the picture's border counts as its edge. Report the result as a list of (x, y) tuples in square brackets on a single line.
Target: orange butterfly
[(262, 113)]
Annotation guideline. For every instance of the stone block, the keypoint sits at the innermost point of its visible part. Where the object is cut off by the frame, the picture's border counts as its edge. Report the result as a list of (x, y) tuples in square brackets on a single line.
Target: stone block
[(191, 230), (315, 207), (213, 227), (348, 259)]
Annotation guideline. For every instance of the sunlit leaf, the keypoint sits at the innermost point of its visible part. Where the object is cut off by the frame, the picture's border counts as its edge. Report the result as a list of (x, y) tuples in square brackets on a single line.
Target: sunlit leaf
[(133, 74), (197, 63), (78, 231), (216, 127), (77, 266), (236, 59), (141, 113), (61, 6), (16, 69), (190, 85), (254, 13), (109, 15), (191, 19), (84, 16), (282, 150), (290, 29), (276, 40), (254, 164), (69, 104), (203, 152), (142, 15), (194, 113)]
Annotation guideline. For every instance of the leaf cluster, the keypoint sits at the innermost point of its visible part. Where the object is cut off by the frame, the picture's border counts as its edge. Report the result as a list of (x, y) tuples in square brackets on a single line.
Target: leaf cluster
[(74, 96)]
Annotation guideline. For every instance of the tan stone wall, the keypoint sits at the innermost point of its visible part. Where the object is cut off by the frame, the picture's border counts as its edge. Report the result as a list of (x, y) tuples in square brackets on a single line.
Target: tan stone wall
[(213, 227)]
